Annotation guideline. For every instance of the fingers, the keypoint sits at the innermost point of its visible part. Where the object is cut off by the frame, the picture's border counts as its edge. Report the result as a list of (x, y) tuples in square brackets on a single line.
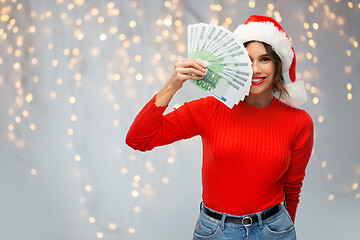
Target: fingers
[(199, 62), (192, 63), (186, 69), (183, 77), (190, 71)]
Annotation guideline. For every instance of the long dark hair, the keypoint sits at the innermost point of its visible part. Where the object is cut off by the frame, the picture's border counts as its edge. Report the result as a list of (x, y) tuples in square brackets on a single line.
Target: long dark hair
[(279, 82)]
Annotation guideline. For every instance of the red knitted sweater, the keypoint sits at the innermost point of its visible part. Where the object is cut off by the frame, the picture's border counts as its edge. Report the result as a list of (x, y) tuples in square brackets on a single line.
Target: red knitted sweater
[(253, 158)]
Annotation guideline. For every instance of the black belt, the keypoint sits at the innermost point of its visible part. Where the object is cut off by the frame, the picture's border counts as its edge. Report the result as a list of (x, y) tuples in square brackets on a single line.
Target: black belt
[(245, 220)]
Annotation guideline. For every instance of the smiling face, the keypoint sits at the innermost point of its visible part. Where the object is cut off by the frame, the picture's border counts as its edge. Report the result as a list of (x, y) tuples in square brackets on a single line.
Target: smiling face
[(263, 69)]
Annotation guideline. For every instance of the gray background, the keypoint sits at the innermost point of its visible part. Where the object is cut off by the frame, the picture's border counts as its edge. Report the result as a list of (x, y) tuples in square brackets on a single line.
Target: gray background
[(42, 187)]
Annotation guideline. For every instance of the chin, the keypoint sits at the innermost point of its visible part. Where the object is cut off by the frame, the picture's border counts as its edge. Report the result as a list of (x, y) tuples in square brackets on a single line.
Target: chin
[(264, 88), (259, 91), (256, 91)]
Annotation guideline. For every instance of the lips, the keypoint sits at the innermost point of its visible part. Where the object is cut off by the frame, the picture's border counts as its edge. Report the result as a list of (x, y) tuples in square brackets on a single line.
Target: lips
[(258, 80)]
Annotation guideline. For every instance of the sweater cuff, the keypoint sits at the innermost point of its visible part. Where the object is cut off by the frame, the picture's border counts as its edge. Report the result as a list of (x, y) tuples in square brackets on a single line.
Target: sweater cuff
[(291, 207), (153, 101), (151, 112)]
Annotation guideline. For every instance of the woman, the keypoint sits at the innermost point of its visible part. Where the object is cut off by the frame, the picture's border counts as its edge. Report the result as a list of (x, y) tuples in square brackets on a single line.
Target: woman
[(254, 155)]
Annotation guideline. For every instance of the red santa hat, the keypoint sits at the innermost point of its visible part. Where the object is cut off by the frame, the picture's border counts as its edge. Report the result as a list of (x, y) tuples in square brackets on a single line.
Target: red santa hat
[(267, 30)]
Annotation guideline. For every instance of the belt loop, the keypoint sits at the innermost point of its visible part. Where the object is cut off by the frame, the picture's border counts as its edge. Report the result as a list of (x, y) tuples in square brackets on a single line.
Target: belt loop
[(260, 220), (201, 205), (222, 224)]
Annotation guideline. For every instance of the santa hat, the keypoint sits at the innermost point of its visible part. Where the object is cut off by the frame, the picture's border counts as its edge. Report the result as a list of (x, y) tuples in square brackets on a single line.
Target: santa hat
[(267, 30)]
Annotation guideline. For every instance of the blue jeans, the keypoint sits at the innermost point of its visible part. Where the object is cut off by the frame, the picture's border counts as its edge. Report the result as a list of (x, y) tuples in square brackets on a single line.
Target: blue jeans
[(278, 226)]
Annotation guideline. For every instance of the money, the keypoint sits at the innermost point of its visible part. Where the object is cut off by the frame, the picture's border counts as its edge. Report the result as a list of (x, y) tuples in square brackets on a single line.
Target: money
[(229, 71)]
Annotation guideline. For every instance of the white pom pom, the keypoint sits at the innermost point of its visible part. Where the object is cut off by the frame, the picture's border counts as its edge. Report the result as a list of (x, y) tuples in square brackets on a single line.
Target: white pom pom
[(297, 92)]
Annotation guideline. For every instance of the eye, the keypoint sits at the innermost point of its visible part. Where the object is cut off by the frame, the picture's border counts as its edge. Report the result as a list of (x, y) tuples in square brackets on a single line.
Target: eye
[(265, 59)]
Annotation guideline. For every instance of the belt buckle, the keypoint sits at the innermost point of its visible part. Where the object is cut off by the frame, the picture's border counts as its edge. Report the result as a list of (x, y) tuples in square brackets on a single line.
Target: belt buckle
[(243, 221)]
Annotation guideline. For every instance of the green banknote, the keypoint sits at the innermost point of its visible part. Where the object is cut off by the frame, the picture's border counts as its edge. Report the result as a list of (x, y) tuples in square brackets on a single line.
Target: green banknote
[(229, 72)]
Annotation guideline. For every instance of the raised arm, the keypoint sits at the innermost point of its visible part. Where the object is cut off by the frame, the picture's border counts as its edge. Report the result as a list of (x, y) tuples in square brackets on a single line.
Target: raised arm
[(150, 128)]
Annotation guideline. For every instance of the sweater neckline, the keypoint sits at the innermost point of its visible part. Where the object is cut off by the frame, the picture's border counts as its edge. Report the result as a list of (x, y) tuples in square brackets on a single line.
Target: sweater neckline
[(260, 109)]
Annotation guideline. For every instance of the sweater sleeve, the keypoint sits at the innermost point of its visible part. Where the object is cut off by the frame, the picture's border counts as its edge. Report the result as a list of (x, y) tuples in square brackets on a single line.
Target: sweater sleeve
[(151, 128), (300, 156)]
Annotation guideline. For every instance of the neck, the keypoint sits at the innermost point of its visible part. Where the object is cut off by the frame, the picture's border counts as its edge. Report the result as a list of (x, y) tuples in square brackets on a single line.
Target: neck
[(259, 101)]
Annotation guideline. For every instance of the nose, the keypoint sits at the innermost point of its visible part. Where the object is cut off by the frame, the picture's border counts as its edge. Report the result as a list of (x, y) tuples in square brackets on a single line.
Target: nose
[(255, 67)]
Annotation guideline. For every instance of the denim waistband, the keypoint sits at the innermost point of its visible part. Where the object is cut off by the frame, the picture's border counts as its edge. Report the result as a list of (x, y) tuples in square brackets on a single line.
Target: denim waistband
[(283, 203), (224, 216)]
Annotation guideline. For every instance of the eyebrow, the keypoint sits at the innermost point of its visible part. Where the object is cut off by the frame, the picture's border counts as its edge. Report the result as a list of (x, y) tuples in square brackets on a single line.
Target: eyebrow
[(265, 55)]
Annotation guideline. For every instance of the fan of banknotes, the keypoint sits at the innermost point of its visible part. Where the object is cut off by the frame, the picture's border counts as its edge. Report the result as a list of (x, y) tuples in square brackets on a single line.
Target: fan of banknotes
[(229, 70)]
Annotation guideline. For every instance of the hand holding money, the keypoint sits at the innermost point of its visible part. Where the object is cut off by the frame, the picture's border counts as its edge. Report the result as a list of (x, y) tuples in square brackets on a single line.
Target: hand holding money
[(186, 69)]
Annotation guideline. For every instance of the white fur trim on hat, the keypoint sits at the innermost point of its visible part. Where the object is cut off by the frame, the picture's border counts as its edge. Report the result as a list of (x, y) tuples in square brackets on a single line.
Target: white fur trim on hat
[(297, 92), (267, 32)]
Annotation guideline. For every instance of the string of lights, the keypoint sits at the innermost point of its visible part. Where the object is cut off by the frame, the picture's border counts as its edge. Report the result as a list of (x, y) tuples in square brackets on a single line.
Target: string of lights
[(48, 56)]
